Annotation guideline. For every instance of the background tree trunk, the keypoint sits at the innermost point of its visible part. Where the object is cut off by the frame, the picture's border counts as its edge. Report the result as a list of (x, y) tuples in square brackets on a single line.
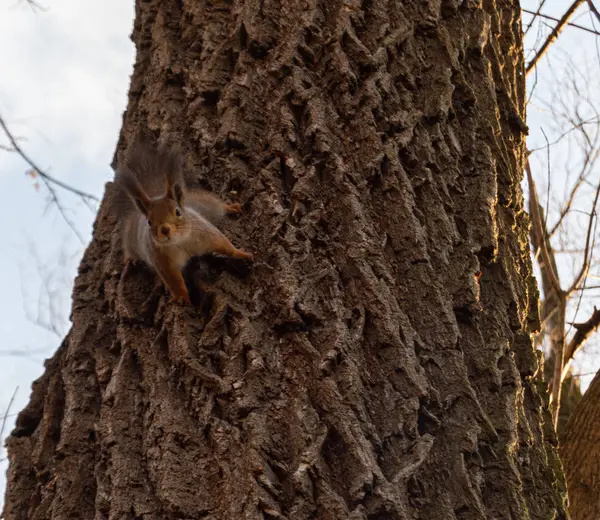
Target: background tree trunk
[(580, 451), (376, 362)]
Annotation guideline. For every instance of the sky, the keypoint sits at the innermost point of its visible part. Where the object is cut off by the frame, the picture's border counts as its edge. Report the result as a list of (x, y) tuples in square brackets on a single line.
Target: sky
[(569, 71), (63, 89)]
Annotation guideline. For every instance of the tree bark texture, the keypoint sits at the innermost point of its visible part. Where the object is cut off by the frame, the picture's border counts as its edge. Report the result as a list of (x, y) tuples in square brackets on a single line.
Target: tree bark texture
[(580, 450), (376, 362)]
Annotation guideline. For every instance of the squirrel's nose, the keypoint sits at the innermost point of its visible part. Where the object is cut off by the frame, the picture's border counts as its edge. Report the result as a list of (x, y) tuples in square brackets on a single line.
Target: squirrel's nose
[(165, 230)]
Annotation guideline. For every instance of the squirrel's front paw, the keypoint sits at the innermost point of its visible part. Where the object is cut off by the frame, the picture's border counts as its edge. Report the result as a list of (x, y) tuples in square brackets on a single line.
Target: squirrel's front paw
[(180, 300), (233, 209), (246, 256)]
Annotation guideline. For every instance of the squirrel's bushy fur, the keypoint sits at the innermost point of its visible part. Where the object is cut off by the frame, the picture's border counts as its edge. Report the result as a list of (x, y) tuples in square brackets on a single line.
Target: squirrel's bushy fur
[(152, 167)]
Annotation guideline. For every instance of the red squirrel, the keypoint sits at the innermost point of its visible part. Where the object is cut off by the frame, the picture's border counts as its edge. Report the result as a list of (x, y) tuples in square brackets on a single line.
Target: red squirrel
[(173, 223)]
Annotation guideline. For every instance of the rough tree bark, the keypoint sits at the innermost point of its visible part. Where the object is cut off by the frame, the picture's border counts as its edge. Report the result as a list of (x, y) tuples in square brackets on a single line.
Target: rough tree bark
[(580, 451), (376, 362)]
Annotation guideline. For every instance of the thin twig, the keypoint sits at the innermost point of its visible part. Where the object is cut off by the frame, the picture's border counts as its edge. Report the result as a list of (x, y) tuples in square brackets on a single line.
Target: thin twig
[(595, 119), (48, 178), (553, 35), (53, 321), (537, 222), (548, 173), (564, 212), (557, 333), (584, 331), (570, 24), (580, 299), (21, 353), (594, 9), (34, 6), (62, 211), (535, 15), (584, 374), (50, 182), (6, 415), (586, 253)]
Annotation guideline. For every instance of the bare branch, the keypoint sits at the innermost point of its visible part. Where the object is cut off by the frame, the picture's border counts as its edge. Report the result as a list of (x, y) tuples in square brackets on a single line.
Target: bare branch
[(45, 176), (34, 5), (50, 182), (535, 15), (548, 187), (23, 353), (49, 315), (565, 210), (584, 374), (553, 35), (570, 24), (594, 9), (584, 331), (586, 259), (62, 211), (538, 224), (6, 415), (577, 126), (555, 300)]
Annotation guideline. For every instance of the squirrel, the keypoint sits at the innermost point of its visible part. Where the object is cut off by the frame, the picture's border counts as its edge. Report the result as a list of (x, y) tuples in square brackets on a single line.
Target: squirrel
[(168, 222)]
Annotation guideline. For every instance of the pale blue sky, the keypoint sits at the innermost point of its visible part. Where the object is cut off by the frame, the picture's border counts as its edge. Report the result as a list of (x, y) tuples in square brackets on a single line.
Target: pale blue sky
[(63, 87)]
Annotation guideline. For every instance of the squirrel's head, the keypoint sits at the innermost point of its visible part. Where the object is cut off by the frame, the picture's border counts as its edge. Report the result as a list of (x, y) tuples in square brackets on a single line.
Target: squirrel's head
[(164, 213), (166, 216)]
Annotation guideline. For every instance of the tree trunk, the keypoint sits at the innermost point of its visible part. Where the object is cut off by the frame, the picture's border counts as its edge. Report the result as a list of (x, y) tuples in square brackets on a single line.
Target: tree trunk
[(580, 451), (376, 362)]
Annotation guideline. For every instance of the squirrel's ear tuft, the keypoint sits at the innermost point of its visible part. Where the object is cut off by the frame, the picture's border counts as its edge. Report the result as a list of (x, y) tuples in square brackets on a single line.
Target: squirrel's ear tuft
[(129, 185), (175, 192), (171, 166), (178, 191), (141, 206)]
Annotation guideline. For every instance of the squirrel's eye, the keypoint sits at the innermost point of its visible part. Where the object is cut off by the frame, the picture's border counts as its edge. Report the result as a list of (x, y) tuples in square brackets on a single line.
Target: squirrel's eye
[(149, 223), (177, 212)]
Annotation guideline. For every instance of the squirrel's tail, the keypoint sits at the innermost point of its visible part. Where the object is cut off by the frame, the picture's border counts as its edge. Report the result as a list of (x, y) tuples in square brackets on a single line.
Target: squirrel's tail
[(155, 167), (146, 172)]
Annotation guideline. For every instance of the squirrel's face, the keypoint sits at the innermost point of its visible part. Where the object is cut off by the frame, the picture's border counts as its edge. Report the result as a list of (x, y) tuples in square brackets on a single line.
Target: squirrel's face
[(167, 221)]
